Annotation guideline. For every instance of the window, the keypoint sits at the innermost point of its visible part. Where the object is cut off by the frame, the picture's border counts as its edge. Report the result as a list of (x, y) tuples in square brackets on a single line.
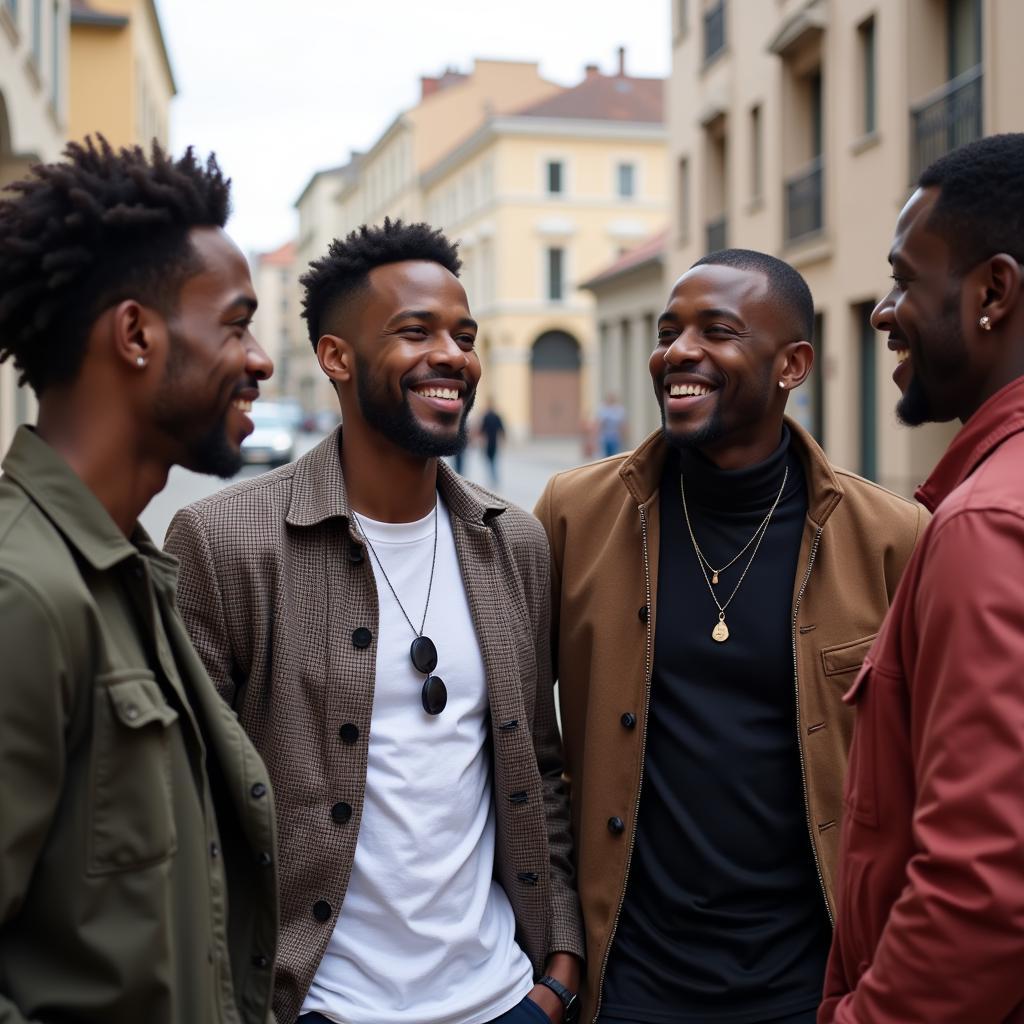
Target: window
[(683, 199), (964, 34), (756, 153), (714, 30), (866, 41), (868, 391), (625, 180), (555, 183), (37, 33), (556, 274)]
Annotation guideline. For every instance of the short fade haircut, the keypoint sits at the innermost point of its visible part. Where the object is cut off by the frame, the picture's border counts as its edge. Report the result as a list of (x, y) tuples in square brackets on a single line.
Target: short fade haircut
[(787, 286), (980, 208), (345, 269), (92, 230)]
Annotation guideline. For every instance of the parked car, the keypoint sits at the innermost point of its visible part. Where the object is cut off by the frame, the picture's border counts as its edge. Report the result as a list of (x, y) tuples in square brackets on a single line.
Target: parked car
[(273, 441)]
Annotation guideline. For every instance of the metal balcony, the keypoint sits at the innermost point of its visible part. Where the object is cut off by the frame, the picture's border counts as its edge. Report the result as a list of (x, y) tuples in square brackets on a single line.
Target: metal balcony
[(948, 118), (716, 234), (714, 30), (805, 201)]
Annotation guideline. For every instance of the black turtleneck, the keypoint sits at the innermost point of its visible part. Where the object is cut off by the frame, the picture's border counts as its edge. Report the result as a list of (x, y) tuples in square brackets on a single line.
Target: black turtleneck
[(724, 919)]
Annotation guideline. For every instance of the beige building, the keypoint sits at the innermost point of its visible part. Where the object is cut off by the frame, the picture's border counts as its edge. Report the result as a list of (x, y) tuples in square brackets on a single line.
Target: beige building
[(277, 318), (121, 78), (629, 297), (33, 125), (540, 199), (796, 128)]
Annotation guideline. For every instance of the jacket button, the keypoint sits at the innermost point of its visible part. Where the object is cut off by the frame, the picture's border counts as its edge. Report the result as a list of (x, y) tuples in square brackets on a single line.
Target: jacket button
[(265, 859), (341, 812), (355, 554), (643, 614), (258, 790), (616, 826), (361, 637), (259, 960), (214, 850), (628, 720), (348, 733), (322, 910)]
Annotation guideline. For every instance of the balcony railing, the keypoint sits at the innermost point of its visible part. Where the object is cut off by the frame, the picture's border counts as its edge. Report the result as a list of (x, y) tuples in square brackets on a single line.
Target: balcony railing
[(714, 30), (947, 119), (805, 206), (716, 234)]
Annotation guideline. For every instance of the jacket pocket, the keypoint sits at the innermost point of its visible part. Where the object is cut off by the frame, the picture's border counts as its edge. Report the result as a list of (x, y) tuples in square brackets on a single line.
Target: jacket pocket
[(843, 658), (861, 790), (131, 799)]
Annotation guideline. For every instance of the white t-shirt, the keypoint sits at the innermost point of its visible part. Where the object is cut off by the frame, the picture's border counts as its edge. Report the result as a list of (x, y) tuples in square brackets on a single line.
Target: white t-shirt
[(425, 933)]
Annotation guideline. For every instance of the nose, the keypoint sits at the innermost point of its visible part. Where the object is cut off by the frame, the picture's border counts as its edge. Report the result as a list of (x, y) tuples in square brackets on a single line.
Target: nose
[(882, 314), (684, 348), (448, 352), (257, 363)]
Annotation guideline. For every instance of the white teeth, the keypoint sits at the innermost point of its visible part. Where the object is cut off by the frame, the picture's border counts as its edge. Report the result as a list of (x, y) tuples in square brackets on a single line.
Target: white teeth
[(242, 405), (681, 390), (451, 394), (902, 355)]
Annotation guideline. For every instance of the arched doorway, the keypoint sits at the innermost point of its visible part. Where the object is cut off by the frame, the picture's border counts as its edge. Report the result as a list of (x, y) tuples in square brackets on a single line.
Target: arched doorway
[(555, 385)]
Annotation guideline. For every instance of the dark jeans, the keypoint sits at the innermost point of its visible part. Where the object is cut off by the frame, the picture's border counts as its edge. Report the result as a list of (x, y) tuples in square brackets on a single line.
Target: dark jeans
[(525, 1012)]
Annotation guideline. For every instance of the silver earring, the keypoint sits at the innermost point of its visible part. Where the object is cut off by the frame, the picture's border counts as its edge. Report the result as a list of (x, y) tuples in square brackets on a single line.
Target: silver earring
[(140, 361), (782, 384), (985, 323)]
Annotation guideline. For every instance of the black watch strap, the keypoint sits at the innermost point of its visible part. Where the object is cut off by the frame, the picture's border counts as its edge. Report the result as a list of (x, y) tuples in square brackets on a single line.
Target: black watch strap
[(570, 1000)]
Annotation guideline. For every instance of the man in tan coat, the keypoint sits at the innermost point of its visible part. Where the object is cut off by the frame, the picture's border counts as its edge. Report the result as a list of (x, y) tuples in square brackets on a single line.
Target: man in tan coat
[(714, 592)]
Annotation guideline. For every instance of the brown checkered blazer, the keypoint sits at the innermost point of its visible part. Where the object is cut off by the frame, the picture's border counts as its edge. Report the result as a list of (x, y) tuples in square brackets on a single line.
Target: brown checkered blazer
[(273, 584)]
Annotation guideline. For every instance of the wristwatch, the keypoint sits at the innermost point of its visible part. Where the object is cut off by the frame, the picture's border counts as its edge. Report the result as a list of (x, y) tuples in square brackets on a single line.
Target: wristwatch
[(570, 1000)]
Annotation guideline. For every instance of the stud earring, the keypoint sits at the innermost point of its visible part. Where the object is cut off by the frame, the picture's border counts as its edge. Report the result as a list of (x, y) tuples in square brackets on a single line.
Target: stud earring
[(782, 384), (140, 361), (985, 323)]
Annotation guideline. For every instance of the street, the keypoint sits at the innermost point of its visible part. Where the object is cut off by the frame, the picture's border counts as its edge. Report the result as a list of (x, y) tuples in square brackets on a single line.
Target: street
[(523, 470)]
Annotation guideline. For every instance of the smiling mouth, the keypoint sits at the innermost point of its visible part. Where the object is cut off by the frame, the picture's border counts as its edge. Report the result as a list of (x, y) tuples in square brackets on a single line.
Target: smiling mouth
[(687, 390), (446, 394), (902, 355), (242, 405)]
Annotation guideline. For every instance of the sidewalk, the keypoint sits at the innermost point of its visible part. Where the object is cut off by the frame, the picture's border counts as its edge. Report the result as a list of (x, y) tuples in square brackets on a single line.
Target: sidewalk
[(524, 468)]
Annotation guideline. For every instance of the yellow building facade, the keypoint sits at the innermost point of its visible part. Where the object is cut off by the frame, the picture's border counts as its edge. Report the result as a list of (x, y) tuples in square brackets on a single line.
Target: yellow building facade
[(797, 128), (121, 78)]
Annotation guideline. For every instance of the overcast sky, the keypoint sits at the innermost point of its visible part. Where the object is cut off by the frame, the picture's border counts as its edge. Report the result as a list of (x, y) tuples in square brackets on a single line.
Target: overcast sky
[(282, 89)]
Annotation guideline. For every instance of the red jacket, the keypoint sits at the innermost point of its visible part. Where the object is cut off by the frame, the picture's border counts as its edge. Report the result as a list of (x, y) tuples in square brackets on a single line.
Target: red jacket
[(930, 926)]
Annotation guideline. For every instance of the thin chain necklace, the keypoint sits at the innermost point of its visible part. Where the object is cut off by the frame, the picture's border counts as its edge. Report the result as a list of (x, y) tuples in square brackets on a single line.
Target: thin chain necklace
[(763, 525), (423, 652), (721, 630)]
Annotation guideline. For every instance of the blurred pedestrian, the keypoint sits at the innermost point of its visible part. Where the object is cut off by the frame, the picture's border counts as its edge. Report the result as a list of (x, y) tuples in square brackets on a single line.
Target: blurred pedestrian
[(611, 425), (370, 614), (137, 878), (930, 923), (492, 430)]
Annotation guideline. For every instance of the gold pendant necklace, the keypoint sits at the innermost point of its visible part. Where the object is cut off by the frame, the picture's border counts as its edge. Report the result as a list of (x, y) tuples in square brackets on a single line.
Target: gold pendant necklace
[(720, 633)]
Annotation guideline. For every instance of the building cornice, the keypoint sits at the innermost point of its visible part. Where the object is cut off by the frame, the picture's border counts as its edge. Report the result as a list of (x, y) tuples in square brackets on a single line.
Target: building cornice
[(543, 127)]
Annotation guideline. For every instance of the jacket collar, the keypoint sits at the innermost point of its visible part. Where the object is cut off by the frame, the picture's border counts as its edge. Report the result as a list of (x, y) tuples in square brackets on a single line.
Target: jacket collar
[(319, 492), (73, 509), (641, 472), (997, 419)]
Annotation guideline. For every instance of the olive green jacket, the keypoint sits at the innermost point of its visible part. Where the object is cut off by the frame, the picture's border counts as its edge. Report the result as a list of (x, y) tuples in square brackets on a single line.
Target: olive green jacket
[(137, 876)]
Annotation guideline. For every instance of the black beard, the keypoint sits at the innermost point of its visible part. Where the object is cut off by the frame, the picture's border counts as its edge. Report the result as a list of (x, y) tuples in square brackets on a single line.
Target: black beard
[(913, 408), (710, 432), (401, 427)]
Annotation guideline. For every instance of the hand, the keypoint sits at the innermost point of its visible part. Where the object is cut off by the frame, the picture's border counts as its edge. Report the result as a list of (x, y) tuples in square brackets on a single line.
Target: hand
[(563, 967)]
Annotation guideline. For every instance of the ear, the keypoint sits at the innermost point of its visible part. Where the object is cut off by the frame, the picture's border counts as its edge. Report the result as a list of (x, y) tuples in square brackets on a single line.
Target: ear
[(336, 358), (798, 358), (139, 334), (999, 287)]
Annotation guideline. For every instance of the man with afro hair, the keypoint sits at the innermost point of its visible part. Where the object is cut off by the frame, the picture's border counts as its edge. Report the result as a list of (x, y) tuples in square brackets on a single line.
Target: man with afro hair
[(137, 878), (381, 627)]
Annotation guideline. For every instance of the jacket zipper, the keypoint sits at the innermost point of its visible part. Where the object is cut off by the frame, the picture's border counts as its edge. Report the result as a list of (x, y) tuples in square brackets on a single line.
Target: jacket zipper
[(799, 737), (643, 759)]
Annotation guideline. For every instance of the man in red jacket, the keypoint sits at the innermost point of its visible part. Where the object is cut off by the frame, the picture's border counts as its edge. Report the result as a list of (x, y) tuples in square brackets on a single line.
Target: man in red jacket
[(931, 900)]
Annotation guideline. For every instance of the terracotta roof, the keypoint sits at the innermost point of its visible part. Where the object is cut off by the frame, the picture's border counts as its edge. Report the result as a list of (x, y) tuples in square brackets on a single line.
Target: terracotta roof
[(648, 251), (606, 98), (282, 256)]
